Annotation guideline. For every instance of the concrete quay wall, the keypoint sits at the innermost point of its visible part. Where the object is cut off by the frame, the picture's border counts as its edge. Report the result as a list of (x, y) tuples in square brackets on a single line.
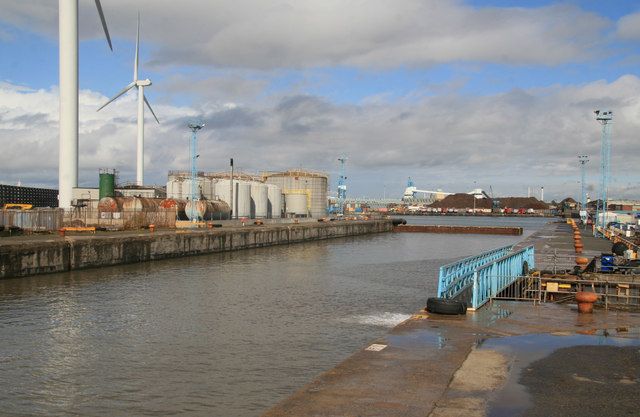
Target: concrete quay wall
[(69, 253)]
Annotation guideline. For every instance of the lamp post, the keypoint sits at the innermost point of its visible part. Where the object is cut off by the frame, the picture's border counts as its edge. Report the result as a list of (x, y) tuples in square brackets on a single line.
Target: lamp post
[(194, 127), (583, 159), (605, 118), (474, 198)]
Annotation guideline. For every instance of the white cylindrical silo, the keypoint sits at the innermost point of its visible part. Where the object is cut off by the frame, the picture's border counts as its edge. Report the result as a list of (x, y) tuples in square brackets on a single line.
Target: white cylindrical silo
[(274, 196), (296, 204), (186, 188), (259, 200), (208, 188), (242, 199), (174, 189), (223, 191)]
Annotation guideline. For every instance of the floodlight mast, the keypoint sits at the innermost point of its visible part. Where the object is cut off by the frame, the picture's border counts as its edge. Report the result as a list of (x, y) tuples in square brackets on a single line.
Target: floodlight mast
[(342, 186), (605, 118), (194, 127), (583, 159)]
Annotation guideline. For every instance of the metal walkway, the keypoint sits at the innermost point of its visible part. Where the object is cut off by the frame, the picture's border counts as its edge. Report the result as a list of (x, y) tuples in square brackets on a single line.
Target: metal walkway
[(484, 275)]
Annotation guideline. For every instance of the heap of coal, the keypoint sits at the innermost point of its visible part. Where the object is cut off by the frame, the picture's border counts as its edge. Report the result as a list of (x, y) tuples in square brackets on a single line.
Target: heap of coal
[(462, 200)]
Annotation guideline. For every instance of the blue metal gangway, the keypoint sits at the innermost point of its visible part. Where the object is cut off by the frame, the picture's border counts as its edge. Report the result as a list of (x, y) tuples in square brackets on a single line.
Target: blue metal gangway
[(485, 275)]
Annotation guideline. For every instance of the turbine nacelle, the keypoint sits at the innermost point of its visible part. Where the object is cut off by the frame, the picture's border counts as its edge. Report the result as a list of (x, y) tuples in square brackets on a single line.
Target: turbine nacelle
[(143, 83)]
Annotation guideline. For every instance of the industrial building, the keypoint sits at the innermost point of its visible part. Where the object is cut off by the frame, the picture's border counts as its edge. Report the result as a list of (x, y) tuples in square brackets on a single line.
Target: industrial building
[(293, 193), (305, 192), (247, 194), (38, 197)]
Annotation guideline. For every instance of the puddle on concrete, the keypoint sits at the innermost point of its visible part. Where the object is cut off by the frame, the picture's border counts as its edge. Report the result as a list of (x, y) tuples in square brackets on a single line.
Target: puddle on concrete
[(418, 338), (514, 399)]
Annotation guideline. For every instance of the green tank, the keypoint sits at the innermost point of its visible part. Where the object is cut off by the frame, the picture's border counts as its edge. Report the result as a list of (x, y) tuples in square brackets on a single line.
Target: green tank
[(107, 184)]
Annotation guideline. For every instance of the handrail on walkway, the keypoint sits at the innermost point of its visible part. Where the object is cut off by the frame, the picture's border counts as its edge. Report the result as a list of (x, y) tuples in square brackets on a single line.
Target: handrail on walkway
[(455, 277), (490, 279)]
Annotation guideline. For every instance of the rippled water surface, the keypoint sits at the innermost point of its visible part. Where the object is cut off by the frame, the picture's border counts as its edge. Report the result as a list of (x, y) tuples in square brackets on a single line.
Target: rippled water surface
[(223, 335)]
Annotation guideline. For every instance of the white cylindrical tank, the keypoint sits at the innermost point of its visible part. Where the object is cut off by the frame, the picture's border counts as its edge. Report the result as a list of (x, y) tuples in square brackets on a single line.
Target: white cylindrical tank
[(223, 191), (242, 199), (259, 200), (186, 188), (208, 188), (296, 204), (274, 195), (174, 188)]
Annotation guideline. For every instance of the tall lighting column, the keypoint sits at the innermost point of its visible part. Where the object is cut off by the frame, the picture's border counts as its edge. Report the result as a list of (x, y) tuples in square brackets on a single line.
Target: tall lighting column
[(583, 159), (194, 127), (605, 118), (342, 186)]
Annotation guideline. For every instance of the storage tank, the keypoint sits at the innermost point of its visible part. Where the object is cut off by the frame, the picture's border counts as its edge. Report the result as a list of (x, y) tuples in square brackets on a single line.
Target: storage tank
[(274, 195), (174, 204), (140, 204), (222, 191), (107, 184), (175, 188), (207, 210), (296, 204), (259, 200), (242, 199), (300, 181), (208, 186), (109, 205), (186, 188)]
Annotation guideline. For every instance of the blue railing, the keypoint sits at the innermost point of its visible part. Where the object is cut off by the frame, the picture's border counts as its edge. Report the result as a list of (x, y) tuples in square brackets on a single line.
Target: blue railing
[(457, 276), (490, 279)]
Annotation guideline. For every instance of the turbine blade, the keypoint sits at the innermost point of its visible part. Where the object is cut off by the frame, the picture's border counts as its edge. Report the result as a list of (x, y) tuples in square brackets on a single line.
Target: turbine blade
[(135, 62), (124, 90), (104, 23), (149, 105)]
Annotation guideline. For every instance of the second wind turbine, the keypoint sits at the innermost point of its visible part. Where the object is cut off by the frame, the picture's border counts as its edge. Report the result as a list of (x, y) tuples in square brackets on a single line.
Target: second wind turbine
[(142, 100)]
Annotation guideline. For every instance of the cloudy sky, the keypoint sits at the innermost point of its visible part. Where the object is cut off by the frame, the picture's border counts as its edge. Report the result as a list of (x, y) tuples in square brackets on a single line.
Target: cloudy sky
[(449, 92)]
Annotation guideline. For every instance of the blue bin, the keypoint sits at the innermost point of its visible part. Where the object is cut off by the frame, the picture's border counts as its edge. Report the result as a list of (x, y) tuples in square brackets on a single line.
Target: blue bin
[(606, 262)]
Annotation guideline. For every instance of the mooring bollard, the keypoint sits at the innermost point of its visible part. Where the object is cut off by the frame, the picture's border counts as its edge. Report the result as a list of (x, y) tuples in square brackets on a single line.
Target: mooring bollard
[(152, 228)]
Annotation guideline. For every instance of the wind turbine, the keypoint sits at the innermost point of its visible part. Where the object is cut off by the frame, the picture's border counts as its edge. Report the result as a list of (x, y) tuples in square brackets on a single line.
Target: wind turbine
[(142, 100), (68, 50)]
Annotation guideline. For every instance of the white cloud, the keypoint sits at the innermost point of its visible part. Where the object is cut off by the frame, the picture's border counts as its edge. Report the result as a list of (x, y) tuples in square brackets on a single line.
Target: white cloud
[(512, 140), (629, 26), (311, 33)]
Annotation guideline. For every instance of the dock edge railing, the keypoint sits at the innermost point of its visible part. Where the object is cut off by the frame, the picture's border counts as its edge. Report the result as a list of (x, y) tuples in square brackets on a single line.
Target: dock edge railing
[(490, 279), (455, 277)]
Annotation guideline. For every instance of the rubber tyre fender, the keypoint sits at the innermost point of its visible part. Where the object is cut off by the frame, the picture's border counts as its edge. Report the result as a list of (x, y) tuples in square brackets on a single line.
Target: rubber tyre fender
[(445, 306), (618, 248)]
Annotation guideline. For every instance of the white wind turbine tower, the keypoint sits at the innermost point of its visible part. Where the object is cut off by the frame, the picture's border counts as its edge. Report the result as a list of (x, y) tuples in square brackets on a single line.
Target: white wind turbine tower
[(142, 100), (68, 41)]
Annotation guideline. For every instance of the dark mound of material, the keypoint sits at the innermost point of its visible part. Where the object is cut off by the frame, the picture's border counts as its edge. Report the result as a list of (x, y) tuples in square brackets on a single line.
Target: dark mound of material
[(584, 381), (462, 200), (523, 202)]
